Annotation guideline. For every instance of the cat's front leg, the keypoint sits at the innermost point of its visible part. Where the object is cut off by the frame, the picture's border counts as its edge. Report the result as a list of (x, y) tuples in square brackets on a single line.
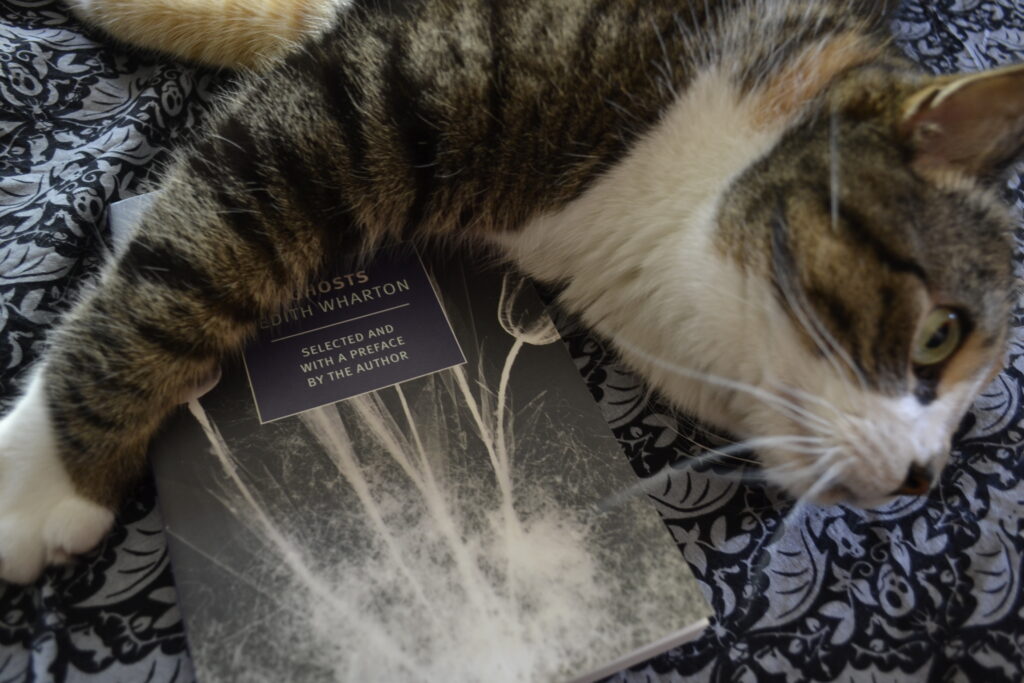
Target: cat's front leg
[(56, 500), (189, 287), (43, 518), (76, 438)]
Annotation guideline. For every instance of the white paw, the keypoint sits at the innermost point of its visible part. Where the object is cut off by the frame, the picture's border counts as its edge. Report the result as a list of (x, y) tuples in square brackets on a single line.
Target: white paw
[(43, 521)]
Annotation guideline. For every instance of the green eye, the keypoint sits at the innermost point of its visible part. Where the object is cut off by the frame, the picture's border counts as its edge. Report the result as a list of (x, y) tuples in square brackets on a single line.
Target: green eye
[(939, 338)]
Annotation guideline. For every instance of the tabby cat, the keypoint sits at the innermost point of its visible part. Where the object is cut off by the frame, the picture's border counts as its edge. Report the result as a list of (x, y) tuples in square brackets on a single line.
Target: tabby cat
[(777, 219)]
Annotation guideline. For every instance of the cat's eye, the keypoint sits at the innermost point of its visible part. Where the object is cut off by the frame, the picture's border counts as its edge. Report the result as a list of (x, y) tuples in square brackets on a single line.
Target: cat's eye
[(939, 338)]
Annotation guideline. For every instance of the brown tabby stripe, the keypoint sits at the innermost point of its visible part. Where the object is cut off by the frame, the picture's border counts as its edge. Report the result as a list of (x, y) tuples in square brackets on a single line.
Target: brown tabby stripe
[(872, 236), (343, 101), (235, 150)]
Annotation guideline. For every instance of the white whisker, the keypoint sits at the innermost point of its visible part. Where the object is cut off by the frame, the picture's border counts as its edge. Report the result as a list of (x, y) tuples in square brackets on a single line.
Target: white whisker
[(808, 444), (724, 456), (833, 162), (773, 400), (826, 480), (822, 338)]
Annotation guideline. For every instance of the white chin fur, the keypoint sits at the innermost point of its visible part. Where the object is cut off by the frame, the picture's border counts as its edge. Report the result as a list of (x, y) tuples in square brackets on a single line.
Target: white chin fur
[(43, 521)]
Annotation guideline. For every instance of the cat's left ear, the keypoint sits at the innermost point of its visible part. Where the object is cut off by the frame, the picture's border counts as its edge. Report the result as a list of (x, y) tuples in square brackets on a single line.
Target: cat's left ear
[(972, 123)]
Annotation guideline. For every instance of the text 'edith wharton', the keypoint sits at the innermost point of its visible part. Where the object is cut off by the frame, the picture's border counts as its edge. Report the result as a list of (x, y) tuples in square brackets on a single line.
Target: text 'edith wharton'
[(340, 301)]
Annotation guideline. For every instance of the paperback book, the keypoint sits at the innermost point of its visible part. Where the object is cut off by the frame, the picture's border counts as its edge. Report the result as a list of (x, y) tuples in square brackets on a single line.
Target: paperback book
[(406, 479)]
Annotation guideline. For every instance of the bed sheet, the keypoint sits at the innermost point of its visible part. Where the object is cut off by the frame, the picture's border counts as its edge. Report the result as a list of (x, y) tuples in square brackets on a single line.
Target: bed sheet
[(923, 589)]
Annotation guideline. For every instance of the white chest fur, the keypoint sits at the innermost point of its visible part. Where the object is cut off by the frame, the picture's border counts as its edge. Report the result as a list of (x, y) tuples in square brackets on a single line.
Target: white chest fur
[(635, 251)]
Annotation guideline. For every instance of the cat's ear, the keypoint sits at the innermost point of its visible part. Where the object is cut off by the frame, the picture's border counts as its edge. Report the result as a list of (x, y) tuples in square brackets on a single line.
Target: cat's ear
[(972, 123)]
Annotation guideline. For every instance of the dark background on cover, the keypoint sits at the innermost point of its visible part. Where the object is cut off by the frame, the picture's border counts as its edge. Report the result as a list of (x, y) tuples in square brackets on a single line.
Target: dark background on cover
[(929, 591)]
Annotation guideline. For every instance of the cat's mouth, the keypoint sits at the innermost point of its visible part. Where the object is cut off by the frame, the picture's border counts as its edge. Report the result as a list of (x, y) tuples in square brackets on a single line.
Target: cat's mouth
[(819, 436), (895, 447), (838, 482), (851, 447)]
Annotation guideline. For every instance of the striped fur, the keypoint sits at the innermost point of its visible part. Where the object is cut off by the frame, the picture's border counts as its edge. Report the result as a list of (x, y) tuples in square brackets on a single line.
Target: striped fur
[(678, 178)]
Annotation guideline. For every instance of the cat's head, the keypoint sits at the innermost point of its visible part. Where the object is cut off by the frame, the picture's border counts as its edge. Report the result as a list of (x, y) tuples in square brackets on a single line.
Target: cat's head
[(825, 272), (874, 255)]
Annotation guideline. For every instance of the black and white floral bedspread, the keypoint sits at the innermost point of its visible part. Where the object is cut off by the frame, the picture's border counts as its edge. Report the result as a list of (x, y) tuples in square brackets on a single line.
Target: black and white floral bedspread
[(919, 590)]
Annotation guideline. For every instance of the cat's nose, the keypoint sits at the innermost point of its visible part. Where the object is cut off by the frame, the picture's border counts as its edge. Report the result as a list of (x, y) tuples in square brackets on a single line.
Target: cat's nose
[(918, 481)]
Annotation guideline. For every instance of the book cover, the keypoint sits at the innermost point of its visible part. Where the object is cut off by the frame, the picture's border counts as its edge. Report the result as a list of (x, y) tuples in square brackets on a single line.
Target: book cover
[(468, 523)]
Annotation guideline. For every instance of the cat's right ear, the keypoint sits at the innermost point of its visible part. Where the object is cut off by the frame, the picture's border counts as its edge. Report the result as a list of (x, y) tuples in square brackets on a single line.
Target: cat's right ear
[(973, 123)]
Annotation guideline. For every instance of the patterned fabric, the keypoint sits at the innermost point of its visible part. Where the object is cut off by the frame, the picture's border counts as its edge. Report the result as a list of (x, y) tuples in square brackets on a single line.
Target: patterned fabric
[(918, 590)]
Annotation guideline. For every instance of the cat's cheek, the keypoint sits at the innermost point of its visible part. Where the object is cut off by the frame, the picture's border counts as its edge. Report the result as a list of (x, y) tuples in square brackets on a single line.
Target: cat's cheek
[(43, 520)]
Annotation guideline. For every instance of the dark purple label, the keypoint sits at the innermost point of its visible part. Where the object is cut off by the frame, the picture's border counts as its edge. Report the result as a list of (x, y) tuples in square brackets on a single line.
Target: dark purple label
[(350, 333)]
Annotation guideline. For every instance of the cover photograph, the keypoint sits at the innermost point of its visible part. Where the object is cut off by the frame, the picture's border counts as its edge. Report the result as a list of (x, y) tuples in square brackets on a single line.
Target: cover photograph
[(476, 521)]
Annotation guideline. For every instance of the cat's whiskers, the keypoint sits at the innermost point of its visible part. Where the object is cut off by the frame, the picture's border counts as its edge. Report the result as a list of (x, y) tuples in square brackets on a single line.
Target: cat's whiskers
[(655, 482), (795, 392), (791, 409), (793, 442), (798, 472), (818, 447), (665, 69), (834, 198), (650, 404), (836, 416), (753, 476), (793, 469), (798, 509), (708, 450), (822, 338), (833, 163), (228, 141), (823, 483), (824, 449), (832, 352)]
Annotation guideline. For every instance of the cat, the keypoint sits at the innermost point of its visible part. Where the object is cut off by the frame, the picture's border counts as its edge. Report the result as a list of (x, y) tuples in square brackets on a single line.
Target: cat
[(785, 226)]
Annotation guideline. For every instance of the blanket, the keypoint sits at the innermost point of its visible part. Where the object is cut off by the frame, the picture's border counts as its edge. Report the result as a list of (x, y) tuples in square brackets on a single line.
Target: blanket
[(921, 589)]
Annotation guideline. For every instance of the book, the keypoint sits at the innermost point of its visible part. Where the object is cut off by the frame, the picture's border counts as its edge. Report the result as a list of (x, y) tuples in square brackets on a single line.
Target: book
[(461, 512)]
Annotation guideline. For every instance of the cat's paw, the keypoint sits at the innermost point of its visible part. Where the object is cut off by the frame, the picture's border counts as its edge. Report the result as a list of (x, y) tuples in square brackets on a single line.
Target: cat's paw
[(43, 520)]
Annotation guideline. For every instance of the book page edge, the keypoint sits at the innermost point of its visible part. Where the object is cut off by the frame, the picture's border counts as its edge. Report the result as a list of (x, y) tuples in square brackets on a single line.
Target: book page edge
[(644, 653)]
